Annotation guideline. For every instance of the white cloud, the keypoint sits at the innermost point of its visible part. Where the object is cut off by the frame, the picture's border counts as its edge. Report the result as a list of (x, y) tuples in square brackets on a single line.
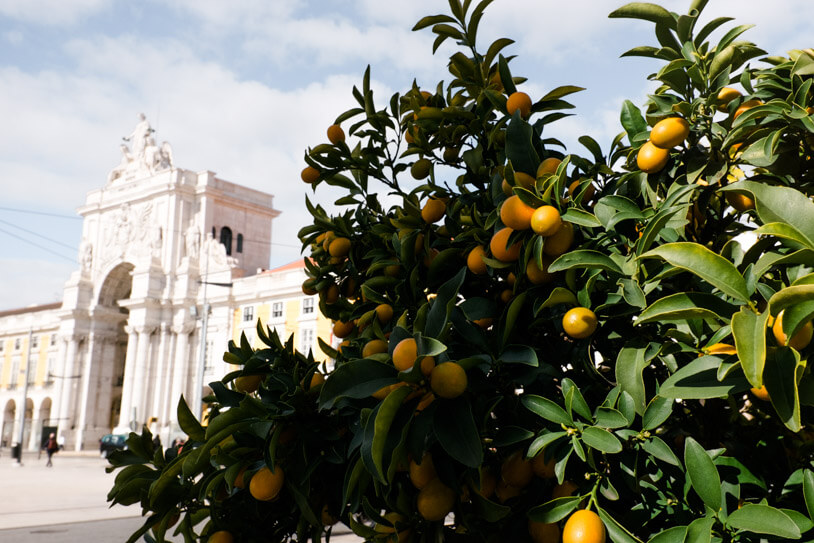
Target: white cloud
[(51, 12), (25, 282)]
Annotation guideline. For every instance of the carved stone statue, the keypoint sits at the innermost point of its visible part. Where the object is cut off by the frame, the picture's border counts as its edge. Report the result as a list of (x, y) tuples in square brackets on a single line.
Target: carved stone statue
[(139, 136), (144, 156), (192, 241), (85, 255)]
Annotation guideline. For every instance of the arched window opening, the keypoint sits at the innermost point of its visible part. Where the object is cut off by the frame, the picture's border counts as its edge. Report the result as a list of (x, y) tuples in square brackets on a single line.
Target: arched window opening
[(226, 239), (239, 248)]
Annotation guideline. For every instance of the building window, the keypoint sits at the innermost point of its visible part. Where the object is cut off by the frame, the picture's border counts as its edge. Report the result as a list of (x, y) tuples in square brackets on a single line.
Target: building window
[(307, 306), (277, 310), (35, 342), (226, 239), (49, 371), (306, 340), (209, 365), (239, 247), (213, 232), (17, 344), (15, 373), (248, 313)]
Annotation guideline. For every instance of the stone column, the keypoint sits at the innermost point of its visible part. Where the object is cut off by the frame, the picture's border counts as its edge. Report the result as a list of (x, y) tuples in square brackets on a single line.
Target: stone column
[(101, 415), (166, 398), (127, 385), (66, 399), (160, 367), (36, 431), (140, 372), (89, 389), (180, 369), (58, 369)]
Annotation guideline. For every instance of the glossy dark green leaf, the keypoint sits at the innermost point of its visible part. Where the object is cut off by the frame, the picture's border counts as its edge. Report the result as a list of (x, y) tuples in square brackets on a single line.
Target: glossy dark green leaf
[(675, 534), (456, 432), (543, 441), (607, 417), (356, 379), (546, 409), (617, 532), (699, 380), (632, 120), (644, 11), (519, 149), (443, 304), (700, 530), (630, 364), (781, 204), (702, 473), (188, 423), (384, 420), (808, 491), (783, 371), (574, 399), (584, 258), (601, 440), (655, 446), (554, 510), (519, 354), (687, 305), (658, 410), (749, 331), (763, 519), (709, 266)]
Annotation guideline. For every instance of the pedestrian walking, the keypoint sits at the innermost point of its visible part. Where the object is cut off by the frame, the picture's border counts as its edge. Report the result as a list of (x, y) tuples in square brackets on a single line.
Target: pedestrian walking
[(51, 446)]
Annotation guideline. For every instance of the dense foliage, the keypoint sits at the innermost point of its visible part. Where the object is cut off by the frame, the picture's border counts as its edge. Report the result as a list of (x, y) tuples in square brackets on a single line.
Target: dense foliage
[(598, 332)]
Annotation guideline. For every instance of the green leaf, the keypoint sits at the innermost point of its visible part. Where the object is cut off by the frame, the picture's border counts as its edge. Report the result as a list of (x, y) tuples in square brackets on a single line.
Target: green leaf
[(808, 491), (431, 20), (456, 432), (784, 231), (685, 306), (574, 399), (630, 364), (581, 217), (632, 120), (511, 315), (700, 530), (519, 148), (189, 424), (617, 532), (749, 331), (783, 371), (763, 519), (632, 292), (655, 446), (709, 266), (644, 11), (702, 473), (584, 258), (546, 409), (554, 510), (675, 534), (519, 354), (559, 92), (658, 410), (699, 380), (789, 297), (384, 420), (607, 417), (356, 379), (601, 440), (780, 204), (443, 304)]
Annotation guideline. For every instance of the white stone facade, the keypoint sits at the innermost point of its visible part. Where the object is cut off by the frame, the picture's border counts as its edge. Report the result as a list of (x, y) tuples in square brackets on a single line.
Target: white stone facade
[(159, 244)]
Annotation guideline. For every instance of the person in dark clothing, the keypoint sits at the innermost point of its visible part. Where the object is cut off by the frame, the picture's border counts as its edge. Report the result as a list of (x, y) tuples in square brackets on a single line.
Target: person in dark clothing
[(51, 446)]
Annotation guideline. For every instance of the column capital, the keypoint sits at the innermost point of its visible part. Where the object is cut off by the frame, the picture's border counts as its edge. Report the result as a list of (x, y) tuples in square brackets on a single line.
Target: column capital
[(146, 329), (184, 328), (129, 329)]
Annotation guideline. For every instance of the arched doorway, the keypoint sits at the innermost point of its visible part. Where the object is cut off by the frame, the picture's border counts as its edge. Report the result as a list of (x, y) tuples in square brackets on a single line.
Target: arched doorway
[(9, 414), (43, 425), (109, 351)]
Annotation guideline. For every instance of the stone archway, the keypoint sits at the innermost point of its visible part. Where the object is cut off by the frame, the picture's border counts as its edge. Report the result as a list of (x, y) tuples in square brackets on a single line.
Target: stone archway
[(42, 420), (9, 415), (100, 389)]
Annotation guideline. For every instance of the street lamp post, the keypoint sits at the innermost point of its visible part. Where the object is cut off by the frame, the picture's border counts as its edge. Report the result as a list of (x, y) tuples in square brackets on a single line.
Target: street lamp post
[(25, 398), (199, 382)]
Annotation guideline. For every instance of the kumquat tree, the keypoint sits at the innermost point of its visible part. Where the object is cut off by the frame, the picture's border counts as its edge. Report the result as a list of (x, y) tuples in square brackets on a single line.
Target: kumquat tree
[(539, 344)]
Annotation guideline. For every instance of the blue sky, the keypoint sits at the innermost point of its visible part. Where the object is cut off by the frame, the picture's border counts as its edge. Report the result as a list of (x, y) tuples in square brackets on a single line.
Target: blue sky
[(243, 87)]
